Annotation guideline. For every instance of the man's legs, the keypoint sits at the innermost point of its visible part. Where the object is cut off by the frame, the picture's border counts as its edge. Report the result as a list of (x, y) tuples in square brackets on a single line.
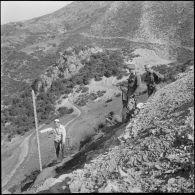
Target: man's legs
[(57, 148), (62, 149), (124, 114), (151, 90)]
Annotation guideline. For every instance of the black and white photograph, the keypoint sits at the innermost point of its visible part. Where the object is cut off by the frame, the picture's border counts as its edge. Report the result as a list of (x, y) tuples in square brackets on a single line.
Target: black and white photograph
[(97, 97)]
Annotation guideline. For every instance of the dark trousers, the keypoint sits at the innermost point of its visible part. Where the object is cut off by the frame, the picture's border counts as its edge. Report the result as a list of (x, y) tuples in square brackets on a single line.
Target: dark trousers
[(151, 89), (58, 145)]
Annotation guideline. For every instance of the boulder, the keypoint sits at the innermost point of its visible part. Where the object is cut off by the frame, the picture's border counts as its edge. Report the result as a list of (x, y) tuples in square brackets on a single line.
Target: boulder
[(45, 174)]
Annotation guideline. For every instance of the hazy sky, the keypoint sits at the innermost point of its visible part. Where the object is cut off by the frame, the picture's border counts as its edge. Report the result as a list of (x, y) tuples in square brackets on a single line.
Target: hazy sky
[(12, 11)]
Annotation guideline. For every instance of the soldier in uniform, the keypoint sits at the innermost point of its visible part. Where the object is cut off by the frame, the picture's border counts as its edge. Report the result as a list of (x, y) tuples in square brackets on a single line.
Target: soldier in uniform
[(151, 79), (129, 94), (134, 83)]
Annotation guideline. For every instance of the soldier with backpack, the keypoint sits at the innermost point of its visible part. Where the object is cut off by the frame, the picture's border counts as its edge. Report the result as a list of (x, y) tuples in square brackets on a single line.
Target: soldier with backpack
[(152, 78), (134, 83), (129, 94)]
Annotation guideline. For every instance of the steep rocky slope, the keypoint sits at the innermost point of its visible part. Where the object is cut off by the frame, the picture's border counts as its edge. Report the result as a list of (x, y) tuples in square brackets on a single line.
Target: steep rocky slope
[(155, 153)]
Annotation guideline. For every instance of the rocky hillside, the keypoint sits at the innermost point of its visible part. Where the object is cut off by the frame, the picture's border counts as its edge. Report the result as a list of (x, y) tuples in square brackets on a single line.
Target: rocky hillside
[(67, 65), (153, 154), (30, 47)]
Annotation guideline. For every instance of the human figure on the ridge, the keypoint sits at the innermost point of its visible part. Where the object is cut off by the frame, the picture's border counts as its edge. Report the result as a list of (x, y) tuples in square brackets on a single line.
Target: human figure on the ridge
[(151, 79), (59, 137), (134, 83)]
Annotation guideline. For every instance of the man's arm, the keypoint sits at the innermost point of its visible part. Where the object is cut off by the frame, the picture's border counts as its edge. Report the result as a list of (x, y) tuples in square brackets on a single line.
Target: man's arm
[(50, 131)]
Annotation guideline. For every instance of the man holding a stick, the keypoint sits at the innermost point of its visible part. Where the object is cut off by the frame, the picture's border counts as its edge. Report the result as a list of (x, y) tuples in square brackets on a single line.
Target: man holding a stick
[(59, 132)]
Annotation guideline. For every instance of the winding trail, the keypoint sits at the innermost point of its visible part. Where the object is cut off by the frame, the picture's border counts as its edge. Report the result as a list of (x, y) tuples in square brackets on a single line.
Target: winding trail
[(79, 113), (25, 147)]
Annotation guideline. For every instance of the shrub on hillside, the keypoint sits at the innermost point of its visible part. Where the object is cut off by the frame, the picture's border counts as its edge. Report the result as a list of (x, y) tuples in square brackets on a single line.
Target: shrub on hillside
[(119, 77), (93, 96), (84, 89), (65, 96), (99, 127), (100, 93), (59, 101), (98, 78), (108, 100), (64, 110)]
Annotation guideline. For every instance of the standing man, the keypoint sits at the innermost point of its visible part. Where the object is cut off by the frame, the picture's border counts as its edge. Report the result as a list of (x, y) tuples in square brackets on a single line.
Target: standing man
[(134, 83), (124, 103), (151, 79), (59, 137)]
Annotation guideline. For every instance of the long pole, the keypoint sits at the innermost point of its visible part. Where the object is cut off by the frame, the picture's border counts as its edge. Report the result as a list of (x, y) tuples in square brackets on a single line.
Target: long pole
[(36, 126)]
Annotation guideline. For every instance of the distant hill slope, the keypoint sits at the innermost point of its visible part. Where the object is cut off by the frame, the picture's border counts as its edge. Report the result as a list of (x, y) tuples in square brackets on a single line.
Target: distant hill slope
[(29, 47)]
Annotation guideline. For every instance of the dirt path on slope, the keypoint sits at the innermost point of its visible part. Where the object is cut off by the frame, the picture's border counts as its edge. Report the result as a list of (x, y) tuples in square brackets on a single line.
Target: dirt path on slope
[(24, 148)]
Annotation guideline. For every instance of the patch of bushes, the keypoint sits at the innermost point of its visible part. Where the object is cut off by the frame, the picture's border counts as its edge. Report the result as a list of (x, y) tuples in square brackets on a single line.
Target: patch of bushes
[(93, 96), (119, 77), (100, 93), (84, 89), (108, 100), (65, 96), (99, 127), (98, 78), (84, 98), (20, 113), (64, 110)]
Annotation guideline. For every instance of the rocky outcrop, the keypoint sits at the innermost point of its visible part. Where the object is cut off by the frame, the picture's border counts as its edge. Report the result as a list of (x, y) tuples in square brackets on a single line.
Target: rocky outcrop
[(68, 64)]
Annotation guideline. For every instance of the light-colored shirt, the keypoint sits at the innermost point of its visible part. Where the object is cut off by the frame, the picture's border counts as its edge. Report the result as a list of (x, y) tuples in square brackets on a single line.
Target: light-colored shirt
[(59, 134)]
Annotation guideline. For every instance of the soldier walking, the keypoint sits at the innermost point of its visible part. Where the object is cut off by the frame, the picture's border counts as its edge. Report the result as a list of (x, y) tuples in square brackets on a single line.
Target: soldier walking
[(151, 79)]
